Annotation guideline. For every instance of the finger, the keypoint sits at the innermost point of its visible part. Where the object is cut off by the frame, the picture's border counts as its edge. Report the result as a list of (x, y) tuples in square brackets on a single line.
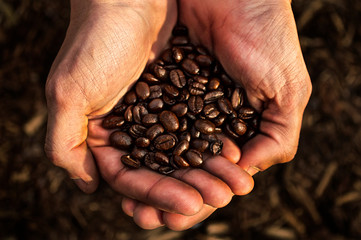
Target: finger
[(230, 150), (237, 179), (66, 147), (147, 217), (128, 206), (179, 222), (162, 192)]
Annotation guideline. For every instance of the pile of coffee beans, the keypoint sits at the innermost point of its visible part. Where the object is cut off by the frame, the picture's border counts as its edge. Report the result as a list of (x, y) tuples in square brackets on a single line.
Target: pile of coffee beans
[(173, 113)]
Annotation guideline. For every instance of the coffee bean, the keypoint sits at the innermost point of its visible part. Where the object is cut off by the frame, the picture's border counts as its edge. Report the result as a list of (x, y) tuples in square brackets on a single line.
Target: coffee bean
[(214, 83), (180, 31), (246, 113), (150, 119), (199, 144), (219, 120), (130, 98), (213, 96), (196, 88), (154, 131), (180, 161), (171, 91), (239, 126), (216, 147), (128, 115), (229, 131), (138, 153), (130, 162), (181, 147), (218, 130), (120, 140), (155, 92), (211, 111), (111, 122), (225, 105), (204, 126), (169, 100), (209, 137), (201, 79), (194, 157), (165, 170), (177, 78), (138, 113), (185, 136), (180, 40), (177, 54), (183, 124), (142, 90), (142, 142), (237, 98), (195, 133), (160, 72), (205, 73), (191, 56), (204, 60), (180, 109), (167, 56), (169, 120), (201, 50), (149, 161), (161, 158), (192, 116), (164, 142), (137, 131), (226, 80), (195, 104), (184, 95), (190, 66), (156, 105), (119, 109)]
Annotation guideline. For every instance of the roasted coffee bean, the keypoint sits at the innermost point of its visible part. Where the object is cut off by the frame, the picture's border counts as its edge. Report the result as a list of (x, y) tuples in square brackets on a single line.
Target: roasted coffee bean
[(218, 130), (191, 56), (138, 113), (204, 60), (195, 133), (130, 162), (225, 105), (137, 131), (255, 122), (246, 113), (149, 78), (250, 133), (160, 72), (171, 67), (149, 161), (177, 78), (194, 157), (186, 48), (192, 116), (138, 153), (169, 100), (226, 80), (201, 50), (228, 92), (219, 120), (175, 137), (239, 126), (167, 56), (165, 170), (229, 131), (180, 109), (185, 136), (237, 98), (204, 126), (195, 104), (216, 147), (184, 95), (130, 98), (128, 115), (171, 91), (154, 131), (156, 105), (180, 40), (120, 140), (169, 120), (213, 96), (142, 142), (164, 142), (213, 84), (155, 92), (180, 30), (201, 79), (205, 73), (209, 137), (161, 158), (199, 144), (177, 54), (180, 161), (211, 111), (217, 68), (142, 90), (150, 119), (181, 147), (190, 66), (196, 88), (183, 124), (111, 122), (119, 109)]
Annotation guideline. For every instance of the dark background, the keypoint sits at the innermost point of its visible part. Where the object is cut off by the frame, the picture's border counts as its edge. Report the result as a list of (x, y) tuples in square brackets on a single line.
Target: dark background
[(316, 196)]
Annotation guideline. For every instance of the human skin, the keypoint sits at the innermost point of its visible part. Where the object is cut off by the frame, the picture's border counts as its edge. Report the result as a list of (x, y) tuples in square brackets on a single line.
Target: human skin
[(107, 45)]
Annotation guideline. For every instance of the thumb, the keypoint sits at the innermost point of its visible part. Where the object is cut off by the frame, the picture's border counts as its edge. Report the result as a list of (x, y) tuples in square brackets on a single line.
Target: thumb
[(66, 147)]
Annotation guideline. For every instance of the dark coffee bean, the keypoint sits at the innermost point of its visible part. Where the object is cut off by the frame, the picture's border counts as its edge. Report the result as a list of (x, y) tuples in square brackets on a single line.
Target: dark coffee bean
[(180, 161), (180, 109), (142, 90), (218, 130), (246, 113), (181, 147), (255, 122), (237, 98), (191, 56), (194, 157), (161, 158), (138, 113), (209, 137), (192, 116), (196, 88), (199, 144), (204, 60), (164, 142), (171, 91), (130, 98), (149, 161), (154, 131), (204, 126), (195, 133), (239, 126), (166, 170), (195, 104), (213, 96), (156, 105), (142, 142), (177, 78), (217, 68), (169, 120), (201, 79), (171, 67), (180, 31), (229, 131), (138, 153), (159, 62), (214, 83), (205, 73), (130, 162), (137, 131), (185, 136), (160, 72), (190, 66), (225, 105), (177, 54), (128, 115), (175, 137), (183, 124), (150, 119), (180, 40), (149, 78), (228, 92), (201, 50), (169, 100), (120, 140), (111, 122), (218, 121), (211, 111), (119, 109), (250, 133), (226, 80), (167, 56), (216, 147), (155, 92), (186, 48), (184, 95)]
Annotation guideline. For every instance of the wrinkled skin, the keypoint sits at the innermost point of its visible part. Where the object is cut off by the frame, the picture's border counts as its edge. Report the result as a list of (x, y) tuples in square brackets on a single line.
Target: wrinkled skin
[(107, 46)]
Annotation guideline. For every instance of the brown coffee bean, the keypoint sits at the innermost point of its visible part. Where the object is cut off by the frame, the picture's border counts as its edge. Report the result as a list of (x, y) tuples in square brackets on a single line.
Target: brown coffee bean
[(142, 142), (138, 113), (205, 73), (180, 40), (195, 104), (155, 92), (219, 120), (216, 147), (239, 126), (164, 142), (229, 131), (154, 131), (119, 109), (211, 111), (137, 131), (246, 113), (185, 136), (167, 56), (166, 170), (171, 91), (218, 130), (169, 100), (204, 126), (180, 109), (161, 158), (225, 105), (130, 98), (120, 140), (204, 60), (214, 83), (177, 78), (150, 119), (128, 115), (237, 98), (111, 122), (195, 133), (130, 162), (169, 120), (149, 161), (196, 88), (138, 153), (217, 68), (226, 80), (192, 116), (190, 66), (199, 144), (142, 90), (180, 30), (177, 54), (183, 124), (180, 161), (149, 78), (156, 105), (250, 133), (181, 147), (159, 72), (213, 96), (184, 95), (209, 137), (201, 50), (201, 79), (194, 157)]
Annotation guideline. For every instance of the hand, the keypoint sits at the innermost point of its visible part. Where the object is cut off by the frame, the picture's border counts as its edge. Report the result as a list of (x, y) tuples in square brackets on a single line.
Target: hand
[(106, 48), (257, 43)]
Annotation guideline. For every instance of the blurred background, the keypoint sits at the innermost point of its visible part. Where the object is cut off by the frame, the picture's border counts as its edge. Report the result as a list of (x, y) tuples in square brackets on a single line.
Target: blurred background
[(316, 196)]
